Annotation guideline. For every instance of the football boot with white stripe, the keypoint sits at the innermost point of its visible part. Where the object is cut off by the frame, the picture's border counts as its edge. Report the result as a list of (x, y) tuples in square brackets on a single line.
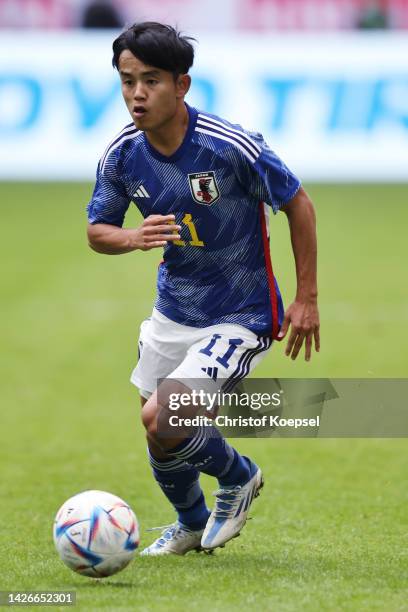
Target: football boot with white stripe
[(231, 510), (176, 539)]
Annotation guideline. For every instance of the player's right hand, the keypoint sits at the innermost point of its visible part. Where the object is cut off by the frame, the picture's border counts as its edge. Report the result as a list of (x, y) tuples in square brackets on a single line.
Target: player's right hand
[(156, 231)]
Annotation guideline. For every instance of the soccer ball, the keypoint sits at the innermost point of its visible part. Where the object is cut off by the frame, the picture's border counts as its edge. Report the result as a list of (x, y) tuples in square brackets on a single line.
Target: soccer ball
[(96, 533)]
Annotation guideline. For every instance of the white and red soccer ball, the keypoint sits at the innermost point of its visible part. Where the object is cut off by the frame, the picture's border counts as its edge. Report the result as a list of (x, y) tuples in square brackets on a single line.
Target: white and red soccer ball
[(96, 533)]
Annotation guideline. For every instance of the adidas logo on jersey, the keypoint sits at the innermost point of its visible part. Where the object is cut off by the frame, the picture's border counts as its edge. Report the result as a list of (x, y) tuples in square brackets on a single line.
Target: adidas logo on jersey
[(212, 372), (141, 193)]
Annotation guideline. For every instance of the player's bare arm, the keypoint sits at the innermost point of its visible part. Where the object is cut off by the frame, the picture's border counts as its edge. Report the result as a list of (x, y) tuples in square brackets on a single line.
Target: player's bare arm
[(155, 232), (302, 316)]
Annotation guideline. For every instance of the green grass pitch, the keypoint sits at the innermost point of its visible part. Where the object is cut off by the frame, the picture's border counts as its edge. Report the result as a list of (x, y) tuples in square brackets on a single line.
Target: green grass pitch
[(329, 531)]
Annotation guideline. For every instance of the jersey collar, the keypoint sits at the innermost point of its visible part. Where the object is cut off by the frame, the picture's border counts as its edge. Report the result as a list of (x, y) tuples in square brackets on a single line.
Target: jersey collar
[(192, 120)]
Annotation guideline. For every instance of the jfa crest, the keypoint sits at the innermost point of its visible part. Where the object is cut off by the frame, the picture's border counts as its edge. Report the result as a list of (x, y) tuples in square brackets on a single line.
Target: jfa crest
[(204, 188)]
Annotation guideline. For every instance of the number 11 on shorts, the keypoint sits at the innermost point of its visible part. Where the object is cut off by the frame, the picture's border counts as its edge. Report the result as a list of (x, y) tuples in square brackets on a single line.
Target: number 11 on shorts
[(223, 360)]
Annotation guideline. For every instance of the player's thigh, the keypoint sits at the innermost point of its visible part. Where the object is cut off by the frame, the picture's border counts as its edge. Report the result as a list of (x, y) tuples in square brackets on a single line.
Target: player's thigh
[(222, 356), (158, 355)]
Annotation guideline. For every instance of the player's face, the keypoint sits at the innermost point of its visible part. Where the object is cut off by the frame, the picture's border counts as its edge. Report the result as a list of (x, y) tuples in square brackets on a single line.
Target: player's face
[(151, 94)]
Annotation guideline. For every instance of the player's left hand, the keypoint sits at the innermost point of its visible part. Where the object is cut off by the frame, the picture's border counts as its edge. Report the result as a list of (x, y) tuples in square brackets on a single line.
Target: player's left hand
[(303, 319)]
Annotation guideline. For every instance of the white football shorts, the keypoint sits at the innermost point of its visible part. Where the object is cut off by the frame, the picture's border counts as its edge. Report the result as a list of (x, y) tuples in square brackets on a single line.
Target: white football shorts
[(219, 355)]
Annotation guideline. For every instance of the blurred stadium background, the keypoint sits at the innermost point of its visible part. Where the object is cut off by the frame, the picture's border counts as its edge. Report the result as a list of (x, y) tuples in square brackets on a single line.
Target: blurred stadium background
[(326, 82)]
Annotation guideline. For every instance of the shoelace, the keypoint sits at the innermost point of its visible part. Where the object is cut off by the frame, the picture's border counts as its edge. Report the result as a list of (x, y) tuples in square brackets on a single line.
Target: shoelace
[(227, 501), (173, 531)]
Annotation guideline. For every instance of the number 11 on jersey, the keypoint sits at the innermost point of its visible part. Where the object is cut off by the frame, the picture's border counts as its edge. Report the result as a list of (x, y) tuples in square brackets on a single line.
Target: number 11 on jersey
[(195, 241)]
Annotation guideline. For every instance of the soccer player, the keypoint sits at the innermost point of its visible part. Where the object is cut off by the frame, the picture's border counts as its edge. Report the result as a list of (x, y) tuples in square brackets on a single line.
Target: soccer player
[(204, 187)]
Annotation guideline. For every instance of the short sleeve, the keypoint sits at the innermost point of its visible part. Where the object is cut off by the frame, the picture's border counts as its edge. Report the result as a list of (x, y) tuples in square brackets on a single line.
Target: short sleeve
[(268, 178), (109, 201)]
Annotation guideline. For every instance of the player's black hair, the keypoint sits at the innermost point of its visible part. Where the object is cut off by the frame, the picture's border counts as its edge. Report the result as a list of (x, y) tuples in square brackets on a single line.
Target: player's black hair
[(156, 45)]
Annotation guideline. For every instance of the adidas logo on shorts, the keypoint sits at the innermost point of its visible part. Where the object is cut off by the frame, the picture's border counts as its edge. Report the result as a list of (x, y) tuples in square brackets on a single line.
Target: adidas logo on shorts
[(212, 372)]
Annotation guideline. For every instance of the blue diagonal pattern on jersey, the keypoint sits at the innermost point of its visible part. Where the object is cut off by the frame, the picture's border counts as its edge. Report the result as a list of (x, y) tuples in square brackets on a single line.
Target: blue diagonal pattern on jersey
[(224, 281)]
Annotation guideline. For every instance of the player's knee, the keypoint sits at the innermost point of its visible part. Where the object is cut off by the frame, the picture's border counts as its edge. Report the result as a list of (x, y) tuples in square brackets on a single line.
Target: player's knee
[(149, 418)]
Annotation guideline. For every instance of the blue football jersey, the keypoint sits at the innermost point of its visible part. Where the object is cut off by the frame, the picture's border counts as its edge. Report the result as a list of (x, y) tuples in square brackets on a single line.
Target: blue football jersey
[(220, 184)]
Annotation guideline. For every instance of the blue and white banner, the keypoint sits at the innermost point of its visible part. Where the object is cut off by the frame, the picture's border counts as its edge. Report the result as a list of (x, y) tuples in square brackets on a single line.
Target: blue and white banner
[(334, 107)]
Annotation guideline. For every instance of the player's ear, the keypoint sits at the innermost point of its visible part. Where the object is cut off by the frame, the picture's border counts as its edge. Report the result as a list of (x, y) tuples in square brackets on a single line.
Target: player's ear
[(183, 85)]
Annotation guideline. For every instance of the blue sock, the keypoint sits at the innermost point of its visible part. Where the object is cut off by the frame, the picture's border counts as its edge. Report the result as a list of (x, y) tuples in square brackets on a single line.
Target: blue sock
[(210, 453), (180, 484)]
